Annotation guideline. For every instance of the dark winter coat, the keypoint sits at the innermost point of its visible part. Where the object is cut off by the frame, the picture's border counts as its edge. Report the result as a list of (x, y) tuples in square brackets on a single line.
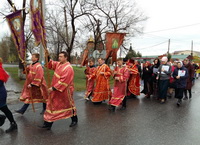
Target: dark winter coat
[(190, 78), (182, 82)]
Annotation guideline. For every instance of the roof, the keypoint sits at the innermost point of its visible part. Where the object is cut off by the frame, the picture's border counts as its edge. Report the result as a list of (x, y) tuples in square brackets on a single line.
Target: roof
[(179, 56)]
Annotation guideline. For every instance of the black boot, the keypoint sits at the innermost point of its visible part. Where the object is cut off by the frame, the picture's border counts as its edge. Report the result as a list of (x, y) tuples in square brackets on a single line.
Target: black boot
[(190, 94), (13, 126), (43, 108), (46, 125), (74, 121), (112, 108), (179, 102), (123, 108), (185, 93)]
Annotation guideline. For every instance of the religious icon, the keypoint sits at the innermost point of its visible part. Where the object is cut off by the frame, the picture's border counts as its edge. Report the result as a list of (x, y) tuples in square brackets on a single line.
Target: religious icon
[(16, 24), (35, 4), (115, 43)]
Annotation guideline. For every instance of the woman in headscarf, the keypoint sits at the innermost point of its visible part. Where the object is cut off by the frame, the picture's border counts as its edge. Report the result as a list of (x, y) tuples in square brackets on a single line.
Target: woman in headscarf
[(3, 96), (147, 77), (180, 75), (164, 73), (190, 78), (154, 75)]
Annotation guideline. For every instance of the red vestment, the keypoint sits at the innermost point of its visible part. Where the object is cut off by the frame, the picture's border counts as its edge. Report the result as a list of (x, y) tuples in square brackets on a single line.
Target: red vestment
[(61, 104), (134, 81), (120, 86), (102, 89), (89, 83), (39, 91)]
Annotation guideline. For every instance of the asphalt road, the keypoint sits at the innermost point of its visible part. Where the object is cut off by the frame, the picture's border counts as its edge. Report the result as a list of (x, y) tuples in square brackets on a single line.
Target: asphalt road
[(144, 122)]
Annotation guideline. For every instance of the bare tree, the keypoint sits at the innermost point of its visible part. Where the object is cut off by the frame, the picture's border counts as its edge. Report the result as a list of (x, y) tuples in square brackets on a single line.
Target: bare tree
[(56, 36)]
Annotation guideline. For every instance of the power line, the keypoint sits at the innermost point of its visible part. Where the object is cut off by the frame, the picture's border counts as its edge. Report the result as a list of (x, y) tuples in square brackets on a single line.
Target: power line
[(152, 45), (173, 28)]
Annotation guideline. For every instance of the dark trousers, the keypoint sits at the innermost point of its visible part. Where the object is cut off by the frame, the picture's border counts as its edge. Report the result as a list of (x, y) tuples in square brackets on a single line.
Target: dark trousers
[(179, 93), (190, 93), (155, 89), (124, 102), (25, 107), (8, 113), (163, 87)]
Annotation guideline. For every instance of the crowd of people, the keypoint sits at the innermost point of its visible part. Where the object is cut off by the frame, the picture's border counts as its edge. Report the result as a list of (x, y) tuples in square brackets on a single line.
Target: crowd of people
[(161, 79)]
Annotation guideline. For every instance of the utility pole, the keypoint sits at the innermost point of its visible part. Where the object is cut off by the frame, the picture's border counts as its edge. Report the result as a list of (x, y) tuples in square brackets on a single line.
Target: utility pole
[(192, 49), (168, 56), (168, 47), (67, 36)]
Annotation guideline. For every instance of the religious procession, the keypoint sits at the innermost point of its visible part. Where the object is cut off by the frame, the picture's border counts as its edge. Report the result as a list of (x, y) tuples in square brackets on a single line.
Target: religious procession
[(112, 79)]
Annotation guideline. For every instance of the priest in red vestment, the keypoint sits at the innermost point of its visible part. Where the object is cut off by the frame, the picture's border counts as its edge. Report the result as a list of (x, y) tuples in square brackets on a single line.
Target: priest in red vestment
[(89, 83), (35, 89), (121, 75), (134, 79), (60, 104), (102, 76)]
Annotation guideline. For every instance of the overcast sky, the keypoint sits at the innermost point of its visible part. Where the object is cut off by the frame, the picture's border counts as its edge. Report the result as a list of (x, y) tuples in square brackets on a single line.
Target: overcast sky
[(181, 15)]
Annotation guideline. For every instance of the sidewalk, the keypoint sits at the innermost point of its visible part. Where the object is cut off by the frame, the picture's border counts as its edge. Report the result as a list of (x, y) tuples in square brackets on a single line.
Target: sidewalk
[(13, 90)]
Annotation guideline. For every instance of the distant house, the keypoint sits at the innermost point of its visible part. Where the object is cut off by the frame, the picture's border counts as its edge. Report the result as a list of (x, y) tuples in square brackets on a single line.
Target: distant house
[(186, 52)]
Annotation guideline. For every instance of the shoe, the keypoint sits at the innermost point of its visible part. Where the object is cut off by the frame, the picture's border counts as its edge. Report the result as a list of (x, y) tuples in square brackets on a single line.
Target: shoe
[(2, 119), (41, 113), (162, 101), (45, 127), (123, 108), (112, 108), (20, 112), (185, 98), (178, 102), (87, 99), (74, 123), (170, 96), (13, 126)]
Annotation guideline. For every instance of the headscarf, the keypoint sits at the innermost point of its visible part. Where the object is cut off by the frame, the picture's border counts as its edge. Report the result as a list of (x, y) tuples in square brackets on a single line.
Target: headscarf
[(180, 63), (165, 59)]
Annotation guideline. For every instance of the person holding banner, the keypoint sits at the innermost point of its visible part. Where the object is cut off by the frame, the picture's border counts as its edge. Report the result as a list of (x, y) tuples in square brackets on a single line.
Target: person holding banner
[(121, 75), (134, 79), (102, 89), (60, 104), (3, 106), (89, 83), (180, 75), (35, 88)]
